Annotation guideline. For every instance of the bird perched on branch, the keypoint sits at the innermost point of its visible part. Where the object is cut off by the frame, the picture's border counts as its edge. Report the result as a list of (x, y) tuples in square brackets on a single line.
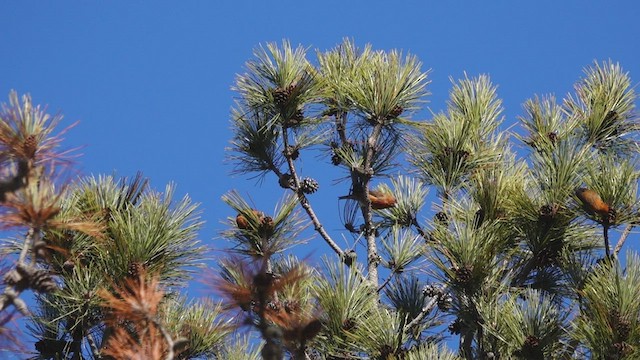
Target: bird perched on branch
[(592, 202), (379, 199), (243, 223)]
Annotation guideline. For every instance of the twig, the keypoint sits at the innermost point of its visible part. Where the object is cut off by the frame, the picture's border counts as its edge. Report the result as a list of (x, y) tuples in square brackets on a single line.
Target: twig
[(304, 202), (387, 280), (11, 292), (425, 310), (420, 231), (605, 229), (623, 238), (29, 240), (94, 347), (167, 339)]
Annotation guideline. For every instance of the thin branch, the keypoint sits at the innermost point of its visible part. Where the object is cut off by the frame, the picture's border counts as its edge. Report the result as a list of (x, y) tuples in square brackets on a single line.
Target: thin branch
[(29, 240), (387, 280), (167, 339), (11, 292), (425, 310), (623, 238), (304, 202), (605, 229), (95, 351), (420, 231)]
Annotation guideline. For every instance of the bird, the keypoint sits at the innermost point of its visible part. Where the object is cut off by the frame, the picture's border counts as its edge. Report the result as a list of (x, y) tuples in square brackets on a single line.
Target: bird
[(592, 202), (243, 223), (379, 199)]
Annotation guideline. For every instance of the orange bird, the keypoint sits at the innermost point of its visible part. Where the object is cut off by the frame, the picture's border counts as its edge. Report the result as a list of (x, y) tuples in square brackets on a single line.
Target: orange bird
[(592, 202), (381, 200), (242, 221)]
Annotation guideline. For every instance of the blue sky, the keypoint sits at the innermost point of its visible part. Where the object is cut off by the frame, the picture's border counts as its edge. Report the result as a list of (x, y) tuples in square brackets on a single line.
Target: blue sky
[(150, 81)]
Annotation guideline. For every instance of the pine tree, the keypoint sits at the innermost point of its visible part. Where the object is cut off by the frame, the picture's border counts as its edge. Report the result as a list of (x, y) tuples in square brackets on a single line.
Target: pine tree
[(516, 240), (513, 260)]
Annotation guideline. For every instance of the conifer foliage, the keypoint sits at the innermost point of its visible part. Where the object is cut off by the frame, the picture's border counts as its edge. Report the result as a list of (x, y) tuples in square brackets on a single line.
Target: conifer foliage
[(517, 256)]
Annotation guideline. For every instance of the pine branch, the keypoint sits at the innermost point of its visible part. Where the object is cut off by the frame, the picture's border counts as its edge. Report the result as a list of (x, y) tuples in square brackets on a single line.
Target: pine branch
[(167, 338), (622, 240), (304, 201), (605, 230), (19, 279), (95, 350), (425, 310), (386, 281)]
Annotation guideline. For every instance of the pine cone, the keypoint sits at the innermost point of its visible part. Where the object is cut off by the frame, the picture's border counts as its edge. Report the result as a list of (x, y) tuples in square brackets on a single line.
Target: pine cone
[(281, 95), (397, 111), (442, 218), (242, 222), (623, 328), (444, 302), (611, 216), (547, 213), (611, 116), (463, 275), (621, 349), (553, 137), (309, 185), (42, 282), (447, 151), (266, 226), (135, 269), (291, 306), (274, 306), (336, 159), (432, 290), (620, 324), (530, 348), (291, 152), (349, 324), (286, 181), (30, 146)]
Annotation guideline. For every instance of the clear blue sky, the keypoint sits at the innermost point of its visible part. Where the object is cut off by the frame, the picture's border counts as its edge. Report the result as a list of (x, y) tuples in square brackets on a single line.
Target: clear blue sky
[(150, 81)]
